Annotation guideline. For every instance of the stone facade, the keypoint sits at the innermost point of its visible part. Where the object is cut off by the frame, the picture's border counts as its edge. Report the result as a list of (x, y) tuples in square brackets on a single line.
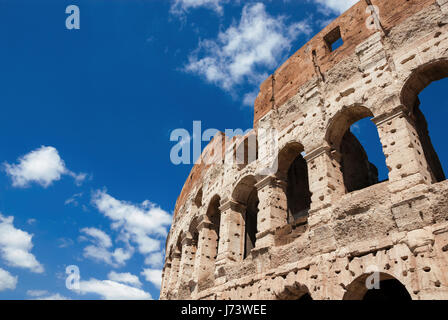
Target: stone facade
[(322, 223)]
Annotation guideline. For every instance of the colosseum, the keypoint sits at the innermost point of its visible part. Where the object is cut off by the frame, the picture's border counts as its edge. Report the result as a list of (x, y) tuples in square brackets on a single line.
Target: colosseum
[(305, 216)]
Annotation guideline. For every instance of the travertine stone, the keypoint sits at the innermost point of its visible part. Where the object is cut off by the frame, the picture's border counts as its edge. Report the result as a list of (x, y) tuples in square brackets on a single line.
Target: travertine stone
[(355, 227)]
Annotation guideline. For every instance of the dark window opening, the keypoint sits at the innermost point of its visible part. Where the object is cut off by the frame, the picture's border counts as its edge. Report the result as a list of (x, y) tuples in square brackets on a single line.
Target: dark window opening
[(334, 39), (214, 216), (305, 298), (389, 290), (251, 222), (298, 193), (247, 151)]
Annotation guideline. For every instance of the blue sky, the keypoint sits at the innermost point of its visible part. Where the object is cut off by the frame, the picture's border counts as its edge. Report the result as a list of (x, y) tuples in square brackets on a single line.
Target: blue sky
[(86, 177)]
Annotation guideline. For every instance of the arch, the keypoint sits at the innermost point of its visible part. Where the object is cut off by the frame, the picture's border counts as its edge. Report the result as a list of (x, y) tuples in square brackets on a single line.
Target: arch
[(342, 121), (355, 166), (293, 169), (246, 194), (389, 289), (214, 218), (297, 291), (198, 198), (418, 80), (246, 151)]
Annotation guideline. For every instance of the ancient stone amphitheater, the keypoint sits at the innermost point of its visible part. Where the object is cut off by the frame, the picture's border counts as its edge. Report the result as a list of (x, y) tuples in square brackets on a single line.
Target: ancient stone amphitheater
[(322, 224)]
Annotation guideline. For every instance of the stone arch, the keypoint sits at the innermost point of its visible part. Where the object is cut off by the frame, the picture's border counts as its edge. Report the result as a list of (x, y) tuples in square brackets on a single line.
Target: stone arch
[(198, 198), (246, 194), (357, 172), (341, 122), (293, 169), (415, 83), (246, 151), (390, 288)]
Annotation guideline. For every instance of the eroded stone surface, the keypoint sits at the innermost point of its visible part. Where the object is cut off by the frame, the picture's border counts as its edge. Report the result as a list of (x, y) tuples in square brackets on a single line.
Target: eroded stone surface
[(325, 245)]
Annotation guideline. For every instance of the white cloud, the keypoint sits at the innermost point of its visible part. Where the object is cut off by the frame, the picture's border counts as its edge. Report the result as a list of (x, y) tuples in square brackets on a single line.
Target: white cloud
[(42, 166), (125, 278), (7, 281), (155, 260), (143, 224), (45, 295), (249, 98), (245, 52), (181, 7), (335, 6), (112, 290), (100, 249), (99, 236), (154, 276), (15, 246)]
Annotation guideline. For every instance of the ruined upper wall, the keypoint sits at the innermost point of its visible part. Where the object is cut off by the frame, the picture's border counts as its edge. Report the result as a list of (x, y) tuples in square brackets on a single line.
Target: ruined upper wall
[(315, 58)]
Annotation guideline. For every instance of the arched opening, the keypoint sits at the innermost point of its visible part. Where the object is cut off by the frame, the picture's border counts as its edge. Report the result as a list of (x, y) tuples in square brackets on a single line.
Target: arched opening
[(198, 199), (357, 148), (247, 151), (388, 288), (297, 292), (424, 95), (246, 194), (294, 170), (214, 217)]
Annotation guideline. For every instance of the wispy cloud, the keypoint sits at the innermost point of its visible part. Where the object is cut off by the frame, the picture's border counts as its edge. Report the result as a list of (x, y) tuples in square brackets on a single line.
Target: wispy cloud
[(101, 250), (243, 53), (113, 290), (334, 6), (181, 7), (45, 295), (126, 278), (145, 224)]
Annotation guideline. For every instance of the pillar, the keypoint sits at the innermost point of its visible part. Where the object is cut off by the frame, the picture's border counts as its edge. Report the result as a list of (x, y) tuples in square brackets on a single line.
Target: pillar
[(325, 177), (174, 274), (403, 150), (186, 264), (272, 209), (231, 235)]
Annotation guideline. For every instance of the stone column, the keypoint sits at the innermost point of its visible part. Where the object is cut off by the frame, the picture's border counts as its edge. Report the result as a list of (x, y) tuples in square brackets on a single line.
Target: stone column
[(325, 177), (272, 209), (231, 235), (186, 263), (404, 153), (174, 274), (165, 278), (206, 253)]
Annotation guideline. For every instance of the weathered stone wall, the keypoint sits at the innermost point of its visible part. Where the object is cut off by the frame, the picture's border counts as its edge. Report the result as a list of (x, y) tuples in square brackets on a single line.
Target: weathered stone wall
[(399, 227)]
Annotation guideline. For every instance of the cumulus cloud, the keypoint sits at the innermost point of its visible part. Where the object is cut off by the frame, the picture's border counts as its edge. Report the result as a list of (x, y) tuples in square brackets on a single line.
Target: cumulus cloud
[(145, 224), (100, 249), (335, 6), (113, 290), (181, 7), (7, 281), (154, 276), (126, 278), (15, 246), (244, 52), (42, 166)]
